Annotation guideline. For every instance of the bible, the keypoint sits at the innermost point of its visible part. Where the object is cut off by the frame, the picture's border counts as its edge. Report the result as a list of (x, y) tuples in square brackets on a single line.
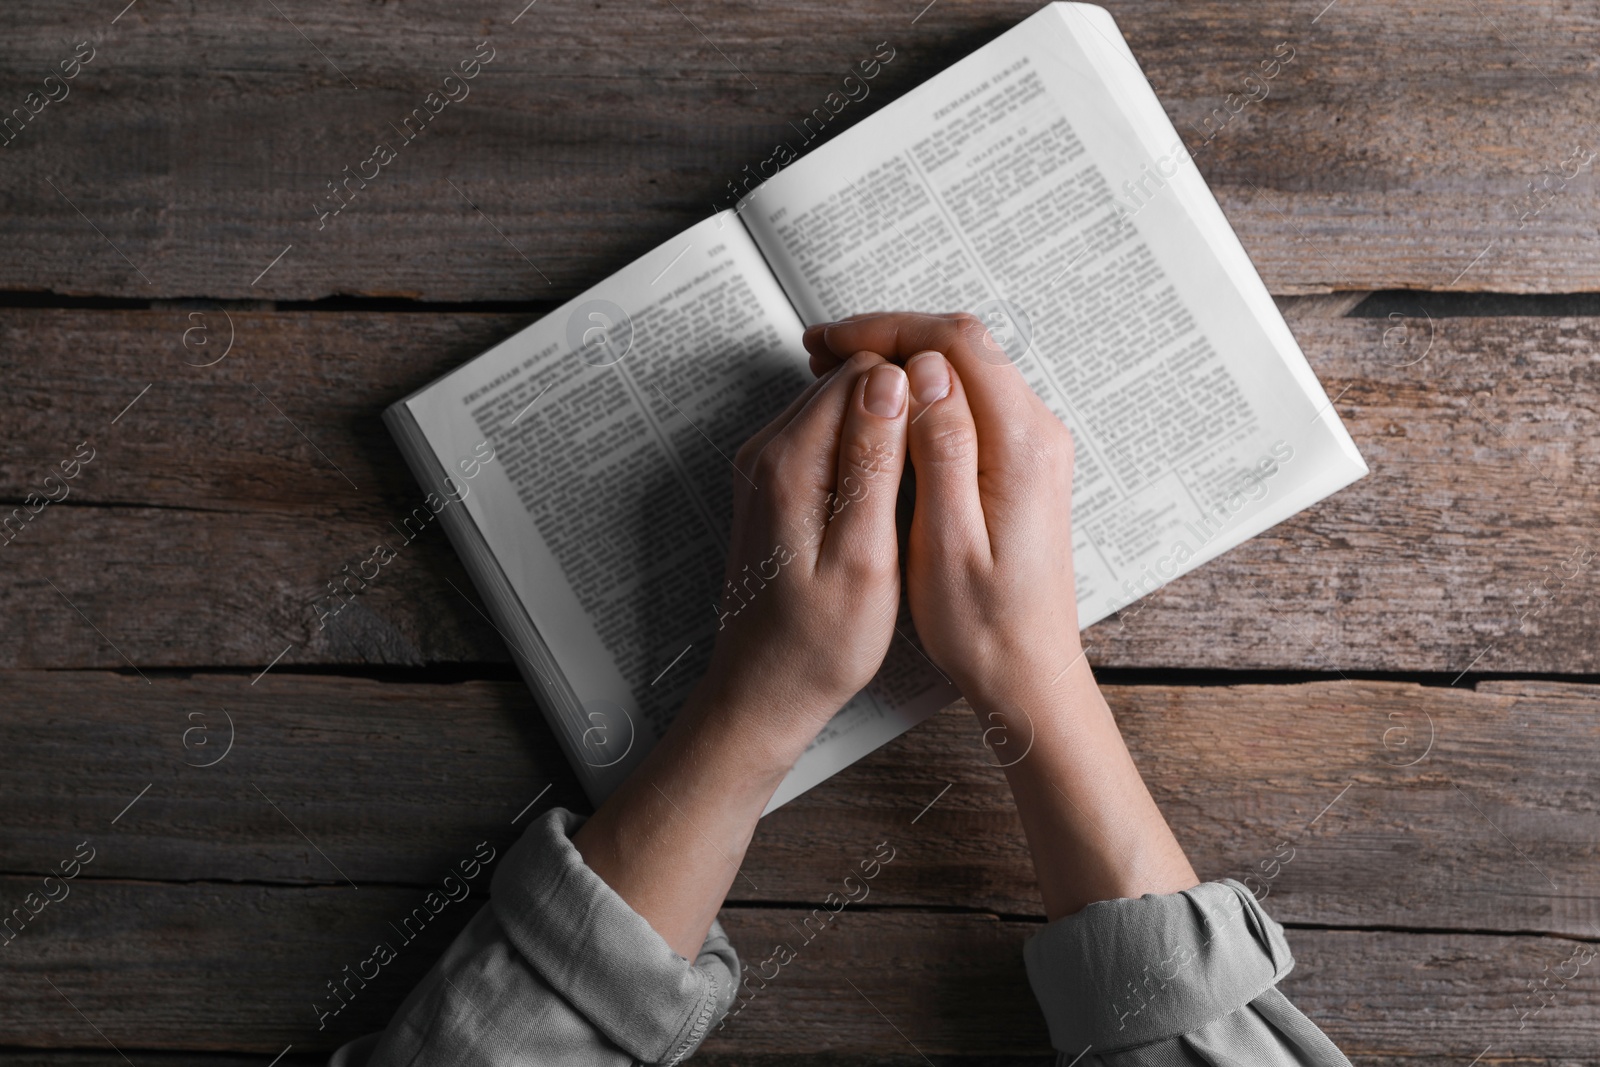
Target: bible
[(1037, 183)]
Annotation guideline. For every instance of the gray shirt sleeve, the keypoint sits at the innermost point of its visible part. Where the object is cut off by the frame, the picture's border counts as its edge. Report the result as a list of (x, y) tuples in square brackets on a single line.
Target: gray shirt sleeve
[(1178, 980), (555, 969), (558, 969)]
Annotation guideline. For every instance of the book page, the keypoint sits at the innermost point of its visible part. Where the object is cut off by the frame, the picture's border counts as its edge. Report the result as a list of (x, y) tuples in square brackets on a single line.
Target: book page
[(608, 502), (1039, 185)]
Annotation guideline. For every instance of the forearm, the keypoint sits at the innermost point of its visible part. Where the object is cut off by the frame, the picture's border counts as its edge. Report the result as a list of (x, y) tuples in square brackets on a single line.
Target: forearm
[(1093, 829), (671, 839)]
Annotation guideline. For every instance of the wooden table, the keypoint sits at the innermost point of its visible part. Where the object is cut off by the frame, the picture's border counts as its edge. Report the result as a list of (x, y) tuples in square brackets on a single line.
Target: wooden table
[(1396, 689)]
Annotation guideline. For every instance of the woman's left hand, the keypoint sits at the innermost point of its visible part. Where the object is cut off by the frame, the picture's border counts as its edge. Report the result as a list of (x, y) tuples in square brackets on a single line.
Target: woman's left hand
[(813, 580), (807, 612)]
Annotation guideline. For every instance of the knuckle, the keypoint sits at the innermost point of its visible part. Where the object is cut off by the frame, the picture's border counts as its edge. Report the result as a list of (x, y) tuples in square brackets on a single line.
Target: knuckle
[(745, 458), (867, 565), (767, 470), (863, 461), (1059, 445), (1044, 447), (949, 443), (859, 570), (1066, 448), (1041, 444), (1069, 446), (968, 327)]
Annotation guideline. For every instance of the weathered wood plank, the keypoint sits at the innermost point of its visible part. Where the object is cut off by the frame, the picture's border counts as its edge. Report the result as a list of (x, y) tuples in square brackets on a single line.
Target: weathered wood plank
[(958, 986), (1472, 543), (280, 424), (1396, 150), (162, 966), (236, 590), (1347, 804)]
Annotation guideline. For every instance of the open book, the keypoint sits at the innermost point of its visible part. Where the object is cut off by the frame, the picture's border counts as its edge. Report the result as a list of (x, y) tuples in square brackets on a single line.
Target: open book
[(1037, 183)]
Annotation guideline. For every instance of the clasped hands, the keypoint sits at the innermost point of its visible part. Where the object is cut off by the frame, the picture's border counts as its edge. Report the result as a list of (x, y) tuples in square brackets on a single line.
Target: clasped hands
[(813, 581), (809, 609)]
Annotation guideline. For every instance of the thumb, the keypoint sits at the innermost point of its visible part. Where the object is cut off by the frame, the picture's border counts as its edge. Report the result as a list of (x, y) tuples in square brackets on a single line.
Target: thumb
[(943, 442), (872, 456)]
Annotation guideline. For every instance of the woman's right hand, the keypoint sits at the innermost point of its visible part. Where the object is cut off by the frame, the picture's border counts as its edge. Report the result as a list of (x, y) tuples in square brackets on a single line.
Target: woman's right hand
[(989, 570), (989, 567)]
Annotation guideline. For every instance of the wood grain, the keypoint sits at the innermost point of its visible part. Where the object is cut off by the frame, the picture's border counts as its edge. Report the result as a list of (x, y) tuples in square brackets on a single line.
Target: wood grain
[(163, 966), (1395, 151), (1443, 838), (1471, 544), (1396, 805)]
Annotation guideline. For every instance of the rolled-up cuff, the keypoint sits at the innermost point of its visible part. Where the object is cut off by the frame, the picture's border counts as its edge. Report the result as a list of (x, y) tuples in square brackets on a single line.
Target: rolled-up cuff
[(600, 955), (1123, 973)]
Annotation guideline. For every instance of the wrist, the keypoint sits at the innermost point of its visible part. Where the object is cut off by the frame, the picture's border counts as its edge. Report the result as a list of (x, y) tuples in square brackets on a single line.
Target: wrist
[(712, 770), (1031, 681), (761, 731), (671, 839)]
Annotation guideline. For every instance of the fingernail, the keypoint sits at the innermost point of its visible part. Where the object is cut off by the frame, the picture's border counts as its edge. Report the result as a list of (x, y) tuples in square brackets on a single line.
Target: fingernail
[(930, 376), (885, 394)]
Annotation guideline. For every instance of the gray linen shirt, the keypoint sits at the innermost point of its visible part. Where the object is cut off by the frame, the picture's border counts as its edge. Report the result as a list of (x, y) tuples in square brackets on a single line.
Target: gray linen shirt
[(558, 969)]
